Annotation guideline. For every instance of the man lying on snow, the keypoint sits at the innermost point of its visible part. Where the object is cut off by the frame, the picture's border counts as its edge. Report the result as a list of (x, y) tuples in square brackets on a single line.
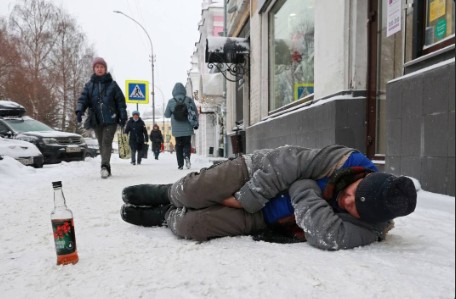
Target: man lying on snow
[(332, 197)]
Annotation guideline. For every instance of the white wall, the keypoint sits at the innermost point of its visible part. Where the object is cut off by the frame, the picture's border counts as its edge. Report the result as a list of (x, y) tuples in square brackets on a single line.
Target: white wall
[(257, 79), (340, 46), (330, 47)]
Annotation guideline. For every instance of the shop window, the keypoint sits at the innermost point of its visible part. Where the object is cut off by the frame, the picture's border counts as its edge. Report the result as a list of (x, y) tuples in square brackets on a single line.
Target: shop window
[(432, 26), (439, 21), (291, 52)]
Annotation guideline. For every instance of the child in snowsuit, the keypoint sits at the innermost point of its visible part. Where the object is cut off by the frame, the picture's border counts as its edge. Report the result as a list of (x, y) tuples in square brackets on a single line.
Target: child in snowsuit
[(335, 195)]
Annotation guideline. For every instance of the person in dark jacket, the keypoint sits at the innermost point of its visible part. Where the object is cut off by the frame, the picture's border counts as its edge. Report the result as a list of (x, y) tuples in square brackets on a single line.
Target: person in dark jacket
[(334, 196), (137, 131), (106, 106), (156, 137), (182, 130)]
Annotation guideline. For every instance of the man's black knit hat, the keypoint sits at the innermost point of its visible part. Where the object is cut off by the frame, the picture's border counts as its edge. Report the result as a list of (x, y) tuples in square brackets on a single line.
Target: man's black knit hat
[(381, 197)]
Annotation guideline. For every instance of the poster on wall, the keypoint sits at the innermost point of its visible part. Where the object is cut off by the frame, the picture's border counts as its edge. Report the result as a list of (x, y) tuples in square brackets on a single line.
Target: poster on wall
[(394, 14)]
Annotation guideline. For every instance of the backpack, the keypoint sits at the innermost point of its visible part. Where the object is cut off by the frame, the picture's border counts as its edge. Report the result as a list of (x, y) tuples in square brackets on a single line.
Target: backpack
[(180, 111), (186, 112), (192, 117)]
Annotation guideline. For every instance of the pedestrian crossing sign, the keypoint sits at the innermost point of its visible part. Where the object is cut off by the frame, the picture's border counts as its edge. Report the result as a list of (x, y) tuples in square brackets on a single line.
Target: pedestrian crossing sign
[(137, 92), (302, 90)]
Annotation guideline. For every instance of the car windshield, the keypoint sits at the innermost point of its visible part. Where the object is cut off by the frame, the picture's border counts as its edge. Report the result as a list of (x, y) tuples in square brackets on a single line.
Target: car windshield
[(26, 125)]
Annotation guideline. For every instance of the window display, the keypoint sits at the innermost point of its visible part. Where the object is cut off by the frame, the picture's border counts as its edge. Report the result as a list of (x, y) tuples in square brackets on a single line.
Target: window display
[(439, 20), (291, 48)]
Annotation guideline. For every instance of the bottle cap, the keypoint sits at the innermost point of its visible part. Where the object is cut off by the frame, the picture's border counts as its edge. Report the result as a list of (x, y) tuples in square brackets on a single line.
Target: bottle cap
[(57, 184)]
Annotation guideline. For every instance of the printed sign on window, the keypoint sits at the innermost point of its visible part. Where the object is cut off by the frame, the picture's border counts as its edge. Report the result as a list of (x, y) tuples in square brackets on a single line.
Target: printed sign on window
[(302, 89), (394, 15), (437, 9)]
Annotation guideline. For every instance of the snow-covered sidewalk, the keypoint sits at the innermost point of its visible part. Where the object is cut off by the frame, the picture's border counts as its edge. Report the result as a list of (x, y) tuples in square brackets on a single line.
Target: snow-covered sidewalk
[(118, 260)]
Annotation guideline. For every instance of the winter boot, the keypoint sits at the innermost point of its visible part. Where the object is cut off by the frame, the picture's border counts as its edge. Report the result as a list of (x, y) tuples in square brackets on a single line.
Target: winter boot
[(187, 162), (105, 171), (144, 216), (146, 195)]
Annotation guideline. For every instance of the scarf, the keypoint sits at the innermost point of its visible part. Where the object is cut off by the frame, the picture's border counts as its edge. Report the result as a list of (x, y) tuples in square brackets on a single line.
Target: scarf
[(342, 178)]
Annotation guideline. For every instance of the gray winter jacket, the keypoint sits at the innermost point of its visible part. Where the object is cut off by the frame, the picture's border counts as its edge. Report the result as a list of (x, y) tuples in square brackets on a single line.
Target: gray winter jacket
[(326, 229), (179, 128), (272, 171), (295, 169)]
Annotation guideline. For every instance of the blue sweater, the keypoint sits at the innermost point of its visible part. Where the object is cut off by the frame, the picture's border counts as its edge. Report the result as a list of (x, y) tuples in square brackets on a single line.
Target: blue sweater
[(280, 206)]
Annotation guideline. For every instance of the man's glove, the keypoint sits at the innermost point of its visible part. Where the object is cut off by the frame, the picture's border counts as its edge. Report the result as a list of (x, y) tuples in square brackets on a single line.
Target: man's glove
[(79, 116), (123, 121)]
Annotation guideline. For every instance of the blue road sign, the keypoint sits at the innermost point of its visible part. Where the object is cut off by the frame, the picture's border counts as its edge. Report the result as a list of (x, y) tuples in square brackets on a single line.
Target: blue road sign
[(137, 92)]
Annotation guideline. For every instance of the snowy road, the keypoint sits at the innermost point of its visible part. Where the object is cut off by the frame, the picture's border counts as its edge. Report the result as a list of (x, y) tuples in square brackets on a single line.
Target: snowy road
[(118, 260)]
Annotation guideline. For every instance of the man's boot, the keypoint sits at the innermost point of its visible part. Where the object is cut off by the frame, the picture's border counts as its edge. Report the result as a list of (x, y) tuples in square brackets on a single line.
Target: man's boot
[(105, 171), (144, 216), (146, 195)]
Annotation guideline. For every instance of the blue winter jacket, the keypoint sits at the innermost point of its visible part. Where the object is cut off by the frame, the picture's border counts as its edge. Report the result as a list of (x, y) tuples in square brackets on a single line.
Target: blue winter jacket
[(281, 206), (105, 99), (179, 128)]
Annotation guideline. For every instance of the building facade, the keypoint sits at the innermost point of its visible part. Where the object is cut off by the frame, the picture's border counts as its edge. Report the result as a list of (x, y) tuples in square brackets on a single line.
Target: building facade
[(376, 75), (205, 85)]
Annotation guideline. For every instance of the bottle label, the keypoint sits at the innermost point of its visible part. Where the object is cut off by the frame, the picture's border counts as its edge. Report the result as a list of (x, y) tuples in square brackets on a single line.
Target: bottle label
[(64, 236)]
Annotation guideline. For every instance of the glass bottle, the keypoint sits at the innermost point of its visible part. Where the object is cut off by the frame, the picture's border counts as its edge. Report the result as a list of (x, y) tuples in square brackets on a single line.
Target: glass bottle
[(63, 228)]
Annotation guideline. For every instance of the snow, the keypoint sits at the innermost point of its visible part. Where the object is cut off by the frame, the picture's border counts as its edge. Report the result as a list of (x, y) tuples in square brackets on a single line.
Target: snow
[(9, 104), (119, 260), (17, 148), (216, 44), (54, 134)]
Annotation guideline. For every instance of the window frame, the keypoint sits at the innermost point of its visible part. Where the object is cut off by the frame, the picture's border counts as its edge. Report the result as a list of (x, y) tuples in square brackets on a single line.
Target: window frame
[(267, 9), (419, 46)]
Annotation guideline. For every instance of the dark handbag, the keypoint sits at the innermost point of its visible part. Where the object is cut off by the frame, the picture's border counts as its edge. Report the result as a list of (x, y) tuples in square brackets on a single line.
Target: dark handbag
[(145, 148), (90, 121)]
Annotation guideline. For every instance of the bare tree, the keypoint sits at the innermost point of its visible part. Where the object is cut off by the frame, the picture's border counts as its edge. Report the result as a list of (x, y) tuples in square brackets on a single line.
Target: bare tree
[(55, 58), (71, 64), (63, 61), (33, 23), (10, 60)]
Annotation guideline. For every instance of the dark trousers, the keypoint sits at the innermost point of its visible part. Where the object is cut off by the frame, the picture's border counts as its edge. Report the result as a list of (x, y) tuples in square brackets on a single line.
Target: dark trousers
[(183, 147), (136, 152), (156, 149), (197, 212), (105, 135)]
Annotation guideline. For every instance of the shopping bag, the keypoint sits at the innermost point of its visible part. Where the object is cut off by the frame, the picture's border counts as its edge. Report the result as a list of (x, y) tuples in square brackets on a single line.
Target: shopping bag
[(124, 148), (144, 150)]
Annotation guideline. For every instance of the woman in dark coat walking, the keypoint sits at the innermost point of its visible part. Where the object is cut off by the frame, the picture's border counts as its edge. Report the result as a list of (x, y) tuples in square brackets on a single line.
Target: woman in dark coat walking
[(138, 136), (106, 106), (156, 137)]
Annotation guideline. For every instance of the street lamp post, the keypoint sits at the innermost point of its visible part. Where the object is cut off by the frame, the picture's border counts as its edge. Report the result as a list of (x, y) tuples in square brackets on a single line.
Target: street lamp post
[(151, 61), (163, 104)]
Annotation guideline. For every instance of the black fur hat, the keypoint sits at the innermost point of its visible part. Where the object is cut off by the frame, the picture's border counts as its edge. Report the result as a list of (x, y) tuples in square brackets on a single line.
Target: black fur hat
[(381, 197)]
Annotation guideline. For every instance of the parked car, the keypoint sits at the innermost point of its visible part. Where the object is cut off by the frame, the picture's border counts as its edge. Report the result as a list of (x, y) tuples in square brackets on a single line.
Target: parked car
[(23, 151), (93, 149), (55, 146)]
